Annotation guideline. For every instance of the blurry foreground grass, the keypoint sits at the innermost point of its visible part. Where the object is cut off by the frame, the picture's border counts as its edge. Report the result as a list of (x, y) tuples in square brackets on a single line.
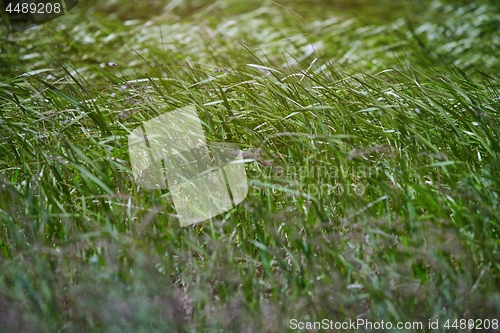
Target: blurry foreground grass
[(373, 191)]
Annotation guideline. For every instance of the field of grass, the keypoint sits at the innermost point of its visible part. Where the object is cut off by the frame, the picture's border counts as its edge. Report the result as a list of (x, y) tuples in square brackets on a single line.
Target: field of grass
[(371, 131)]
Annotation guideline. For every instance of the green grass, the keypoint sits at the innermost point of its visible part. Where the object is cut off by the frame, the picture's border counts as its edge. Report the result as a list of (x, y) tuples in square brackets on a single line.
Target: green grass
[(373, 190)]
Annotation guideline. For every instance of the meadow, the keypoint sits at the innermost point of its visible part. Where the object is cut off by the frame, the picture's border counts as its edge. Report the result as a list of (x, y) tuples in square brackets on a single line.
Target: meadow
[(371, 136)]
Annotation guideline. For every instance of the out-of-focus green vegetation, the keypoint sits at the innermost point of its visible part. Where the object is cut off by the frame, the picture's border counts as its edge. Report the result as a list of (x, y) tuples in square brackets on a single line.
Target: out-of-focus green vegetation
[(373, 130)]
